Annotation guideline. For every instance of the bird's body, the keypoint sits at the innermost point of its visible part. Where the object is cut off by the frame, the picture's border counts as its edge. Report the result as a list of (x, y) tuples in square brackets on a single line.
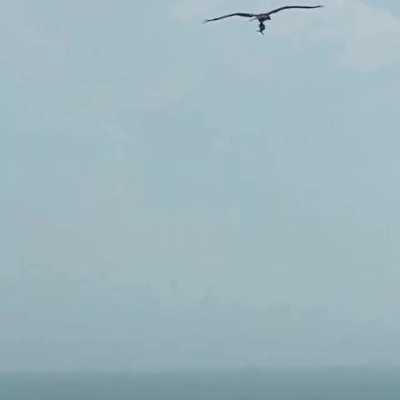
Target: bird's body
[(260, 17)]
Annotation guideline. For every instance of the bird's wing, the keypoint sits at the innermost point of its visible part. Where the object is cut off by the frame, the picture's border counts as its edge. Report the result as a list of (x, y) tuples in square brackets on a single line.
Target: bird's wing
[(289, 7), (239, 14)]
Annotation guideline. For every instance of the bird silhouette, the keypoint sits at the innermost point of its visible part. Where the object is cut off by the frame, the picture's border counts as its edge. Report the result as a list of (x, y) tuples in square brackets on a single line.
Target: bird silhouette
[(260, 17)]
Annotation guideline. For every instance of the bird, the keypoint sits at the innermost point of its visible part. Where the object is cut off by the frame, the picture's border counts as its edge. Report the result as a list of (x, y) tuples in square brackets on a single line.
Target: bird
[(261, 17)]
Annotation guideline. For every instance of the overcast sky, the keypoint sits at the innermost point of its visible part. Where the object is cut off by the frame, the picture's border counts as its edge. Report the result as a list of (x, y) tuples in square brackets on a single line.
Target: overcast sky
[(176, 194)]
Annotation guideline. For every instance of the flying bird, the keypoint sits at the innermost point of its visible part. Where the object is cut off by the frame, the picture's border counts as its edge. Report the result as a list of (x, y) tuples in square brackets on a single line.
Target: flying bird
[(261, 18)]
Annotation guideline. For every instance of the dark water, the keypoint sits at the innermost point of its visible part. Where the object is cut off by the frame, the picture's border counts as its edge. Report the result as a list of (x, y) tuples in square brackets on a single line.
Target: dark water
[(289, 384)]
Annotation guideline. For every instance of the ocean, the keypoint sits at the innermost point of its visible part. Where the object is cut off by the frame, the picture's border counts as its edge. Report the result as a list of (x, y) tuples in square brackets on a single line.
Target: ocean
[(249, 384)]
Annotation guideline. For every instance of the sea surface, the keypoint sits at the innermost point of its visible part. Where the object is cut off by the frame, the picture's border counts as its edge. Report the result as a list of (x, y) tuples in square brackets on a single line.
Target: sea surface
[(250, 384)]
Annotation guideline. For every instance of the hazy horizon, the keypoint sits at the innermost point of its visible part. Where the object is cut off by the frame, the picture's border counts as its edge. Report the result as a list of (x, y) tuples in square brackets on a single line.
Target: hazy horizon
[(285, 384)]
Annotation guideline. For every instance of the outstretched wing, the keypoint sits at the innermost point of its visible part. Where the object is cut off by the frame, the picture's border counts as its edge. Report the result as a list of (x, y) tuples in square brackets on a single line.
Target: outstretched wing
[(289, 7), (239, 14)]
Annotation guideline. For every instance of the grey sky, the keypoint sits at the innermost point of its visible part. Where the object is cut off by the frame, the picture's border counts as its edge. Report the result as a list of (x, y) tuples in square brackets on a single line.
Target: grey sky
[(177, 194)]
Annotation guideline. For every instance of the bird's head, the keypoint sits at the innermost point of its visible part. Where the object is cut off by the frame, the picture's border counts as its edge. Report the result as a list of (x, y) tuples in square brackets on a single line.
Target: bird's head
[(261, 17)]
